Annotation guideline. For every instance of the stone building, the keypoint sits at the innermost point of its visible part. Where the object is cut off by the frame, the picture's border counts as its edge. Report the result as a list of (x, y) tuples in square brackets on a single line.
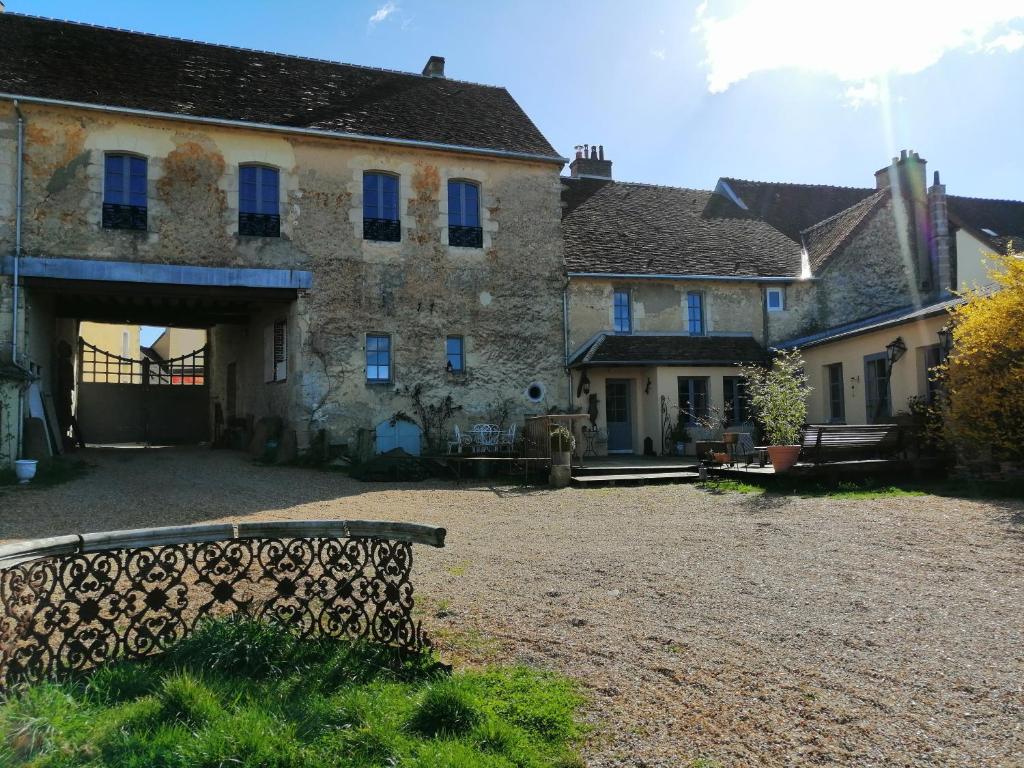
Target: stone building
[(671, 289), (345, 234)]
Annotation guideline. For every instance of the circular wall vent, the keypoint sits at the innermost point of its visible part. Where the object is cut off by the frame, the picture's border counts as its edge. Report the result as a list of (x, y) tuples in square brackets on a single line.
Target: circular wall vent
[(535, 392)]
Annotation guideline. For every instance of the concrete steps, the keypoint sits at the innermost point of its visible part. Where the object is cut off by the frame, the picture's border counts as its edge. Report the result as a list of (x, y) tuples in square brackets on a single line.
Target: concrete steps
[(633, 474)]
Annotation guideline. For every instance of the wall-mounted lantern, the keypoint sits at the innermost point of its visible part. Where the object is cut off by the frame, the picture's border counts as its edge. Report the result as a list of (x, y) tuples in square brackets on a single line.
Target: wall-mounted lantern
[(894, 350), (945, 334)]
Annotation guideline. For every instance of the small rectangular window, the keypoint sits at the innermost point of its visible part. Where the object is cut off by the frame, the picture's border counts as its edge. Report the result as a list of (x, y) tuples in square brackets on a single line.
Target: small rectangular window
[(876, 388), (693, 397), (623, 316), (380, 207), (378, 358), (464, 215), (836, 394), (275, 351), (695, 313), (932, 358), (124, 192), (776, 299), (454, 352), (259, 204)]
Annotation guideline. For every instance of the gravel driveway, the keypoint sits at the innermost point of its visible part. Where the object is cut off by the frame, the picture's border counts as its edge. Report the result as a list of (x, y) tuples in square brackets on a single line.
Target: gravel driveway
[(742, 629)]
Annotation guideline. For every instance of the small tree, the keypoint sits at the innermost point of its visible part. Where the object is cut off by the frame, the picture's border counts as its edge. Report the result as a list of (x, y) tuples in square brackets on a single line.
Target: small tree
[(985, 371), (778, 397)]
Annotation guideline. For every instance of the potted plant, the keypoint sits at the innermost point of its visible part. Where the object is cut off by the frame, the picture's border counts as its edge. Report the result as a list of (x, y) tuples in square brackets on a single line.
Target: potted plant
[(778, 398), (562, 445), (679, 436), (25, 470), (711, 424)]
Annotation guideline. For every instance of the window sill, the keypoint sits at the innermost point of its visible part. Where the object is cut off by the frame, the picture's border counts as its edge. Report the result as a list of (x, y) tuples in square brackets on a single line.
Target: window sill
[(379, 383)]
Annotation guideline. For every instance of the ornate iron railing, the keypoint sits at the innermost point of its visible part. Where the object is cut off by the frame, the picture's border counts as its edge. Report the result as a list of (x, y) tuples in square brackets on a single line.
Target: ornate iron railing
[(466, 237), (118, 216), (259, 224), (71, 602), (97, 366), (388, 230)]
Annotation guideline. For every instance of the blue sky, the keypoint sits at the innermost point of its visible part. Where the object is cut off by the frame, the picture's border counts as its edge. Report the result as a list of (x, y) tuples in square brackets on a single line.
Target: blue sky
[(681, 93)]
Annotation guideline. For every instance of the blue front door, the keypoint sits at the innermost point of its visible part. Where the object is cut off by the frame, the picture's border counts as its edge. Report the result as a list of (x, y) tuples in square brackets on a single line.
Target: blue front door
[(617, 412)]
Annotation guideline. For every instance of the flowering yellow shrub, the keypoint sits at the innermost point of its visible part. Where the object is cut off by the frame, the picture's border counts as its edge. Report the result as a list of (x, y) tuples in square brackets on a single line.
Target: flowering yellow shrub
[(985, 371)]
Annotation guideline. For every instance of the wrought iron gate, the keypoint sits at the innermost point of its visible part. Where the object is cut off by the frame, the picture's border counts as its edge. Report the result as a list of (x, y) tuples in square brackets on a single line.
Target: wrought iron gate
[(128, 400)]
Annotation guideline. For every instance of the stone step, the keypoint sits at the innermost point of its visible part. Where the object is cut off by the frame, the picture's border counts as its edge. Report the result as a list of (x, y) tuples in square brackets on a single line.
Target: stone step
[(627, 469), (636, 477)]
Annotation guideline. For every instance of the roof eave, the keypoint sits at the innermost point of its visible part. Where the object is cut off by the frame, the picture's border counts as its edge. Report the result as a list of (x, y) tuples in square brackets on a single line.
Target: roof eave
[(672, 363), (670, 276), (317, 132)]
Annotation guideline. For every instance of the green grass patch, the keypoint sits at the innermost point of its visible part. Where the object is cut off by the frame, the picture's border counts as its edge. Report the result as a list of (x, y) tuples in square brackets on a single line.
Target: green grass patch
[(869, 488), (249, 695)]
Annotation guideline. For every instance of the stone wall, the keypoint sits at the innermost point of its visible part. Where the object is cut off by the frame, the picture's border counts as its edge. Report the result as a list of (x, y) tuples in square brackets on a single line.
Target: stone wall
[(505, 299)]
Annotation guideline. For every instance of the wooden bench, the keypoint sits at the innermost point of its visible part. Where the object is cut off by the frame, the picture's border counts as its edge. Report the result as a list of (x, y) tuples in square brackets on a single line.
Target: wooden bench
[(823, 443)]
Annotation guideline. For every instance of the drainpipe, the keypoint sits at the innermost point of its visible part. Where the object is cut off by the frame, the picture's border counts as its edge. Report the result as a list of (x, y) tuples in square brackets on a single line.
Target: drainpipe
[(19, 196)]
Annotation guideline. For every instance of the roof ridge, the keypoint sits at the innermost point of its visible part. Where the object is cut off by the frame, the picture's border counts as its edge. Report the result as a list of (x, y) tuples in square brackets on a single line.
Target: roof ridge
[(795, 184), (986, 199), (641, 184), (295, 56), (878, 195)]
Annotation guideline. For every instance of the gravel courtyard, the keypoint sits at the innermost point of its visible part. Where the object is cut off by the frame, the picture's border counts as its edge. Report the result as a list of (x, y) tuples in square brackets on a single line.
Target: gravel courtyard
[(742, 629)]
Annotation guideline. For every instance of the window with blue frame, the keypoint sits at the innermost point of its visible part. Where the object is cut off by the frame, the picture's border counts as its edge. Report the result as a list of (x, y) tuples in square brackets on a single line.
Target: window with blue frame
[(380, 207), (259, 201), (125, 192), (378, 357), (456, 357), (464, 215), (623, 318), (737, 407), (695, 313)]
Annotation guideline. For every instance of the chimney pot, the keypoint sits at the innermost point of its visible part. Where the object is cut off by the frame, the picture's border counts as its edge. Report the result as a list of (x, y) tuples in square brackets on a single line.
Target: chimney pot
[(600, 152), (590, 163), (434, 67), (903, 154), (936, 178)]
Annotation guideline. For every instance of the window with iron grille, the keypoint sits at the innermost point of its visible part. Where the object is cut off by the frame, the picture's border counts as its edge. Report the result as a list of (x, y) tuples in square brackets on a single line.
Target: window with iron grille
[(124, 192), (622, 312), (836, 394), (695, 313), (693, 397), (259, 202), (380, 207), (454, 351), (737, 407), (378, 357), (464, 228)]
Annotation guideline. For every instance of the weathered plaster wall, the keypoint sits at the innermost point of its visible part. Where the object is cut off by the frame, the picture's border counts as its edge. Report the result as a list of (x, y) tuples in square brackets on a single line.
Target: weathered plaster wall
[(971, 266), (505, 298), (907, 376), (659, 306)]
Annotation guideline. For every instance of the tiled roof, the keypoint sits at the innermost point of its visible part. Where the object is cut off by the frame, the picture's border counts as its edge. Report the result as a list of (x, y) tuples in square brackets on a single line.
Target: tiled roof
[(792, 208), (824, 239), (625, 228), (874, 323), (66, 61), (1003, 217), (610, 349)]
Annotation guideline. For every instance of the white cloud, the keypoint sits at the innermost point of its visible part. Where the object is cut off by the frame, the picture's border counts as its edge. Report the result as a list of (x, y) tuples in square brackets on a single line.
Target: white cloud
[(854, 40), (865, 94), (382, 13), (1010, 42), (659, 53)]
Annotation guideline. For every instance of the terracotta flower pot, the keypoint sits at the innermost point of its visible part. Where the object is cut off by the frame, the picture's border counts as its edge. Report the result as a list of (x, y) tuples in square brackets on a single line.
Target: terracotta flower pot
[(783, 456)]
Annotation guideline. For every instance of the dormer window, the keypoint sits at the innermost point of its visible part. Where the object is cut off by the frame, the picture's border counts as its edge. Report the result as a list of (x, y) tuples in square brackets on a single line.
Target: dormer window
[(259, 206), (622, 314), (125, 192), (464, 228), (380, 207), (695, 313)]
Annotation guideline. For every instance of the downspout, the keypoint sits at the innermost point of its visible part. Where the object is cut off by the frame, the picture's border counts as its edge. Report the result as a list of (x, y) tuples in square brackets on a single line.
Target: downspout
[(19, 196)]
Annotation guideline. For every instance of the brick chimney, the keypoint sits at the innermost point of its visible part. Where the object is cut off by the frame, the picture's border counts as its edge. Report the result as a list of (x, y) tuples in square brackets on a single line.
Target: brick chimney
[(589, 163), (434, 67), (907, 176), (940, 245)]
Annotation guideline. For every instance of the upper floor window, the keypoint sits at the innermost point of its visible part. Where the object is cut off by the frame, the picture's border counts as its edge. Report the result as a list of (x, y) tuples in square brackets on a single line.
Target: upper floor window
[(378, 357), (776, 299), (259, 201), (380, 207), (695, 313), (622, 315), (124, 192), (455, 354), (464, 215)]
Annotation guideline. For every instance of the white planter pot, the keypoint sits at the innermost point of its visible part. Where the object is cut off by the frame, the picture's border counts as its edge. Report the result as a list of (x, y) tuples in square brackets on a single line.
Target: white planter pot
[(25, 469)]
